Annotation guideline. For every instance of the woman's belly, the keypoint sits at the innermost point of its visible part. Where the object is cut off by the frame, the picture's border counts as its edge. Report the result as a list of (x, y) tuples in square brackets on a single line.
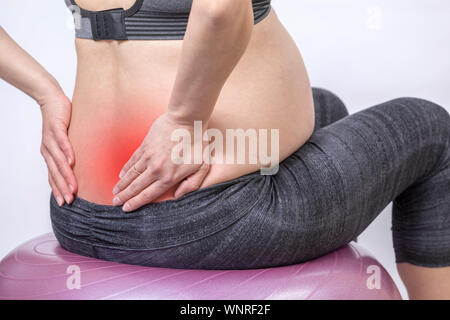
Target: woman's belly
[(122, 87)]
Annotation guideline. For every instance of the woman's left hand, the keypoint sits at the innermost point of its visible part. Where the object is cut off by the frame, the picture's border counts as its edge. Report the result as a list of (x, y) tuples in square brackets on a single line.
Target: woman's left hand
[(151, 171)]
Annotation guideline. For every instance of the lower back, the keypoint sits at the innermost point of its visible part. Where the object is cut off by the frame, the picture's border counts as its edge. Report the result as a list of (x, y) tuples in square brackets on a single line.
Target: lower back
[(122, 87)]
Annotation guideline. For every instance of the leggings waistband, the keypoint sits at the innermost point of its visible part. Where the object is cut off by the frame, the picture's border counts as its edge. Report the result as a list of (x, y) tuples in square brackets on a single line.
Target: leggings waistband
[(168, 223)]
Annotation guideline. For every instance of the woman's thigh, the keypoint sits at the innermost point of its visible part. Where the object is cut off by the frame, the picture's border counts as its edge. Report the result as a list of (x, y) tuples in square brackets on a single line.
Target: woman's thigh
[(335, 185)]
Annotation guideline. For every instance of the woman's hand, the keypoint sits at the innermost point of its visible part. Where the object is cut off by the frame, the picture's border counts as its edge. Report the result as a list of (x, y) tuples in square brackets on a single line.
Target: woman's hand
[(18, 68), (151, 171), (56, 148)]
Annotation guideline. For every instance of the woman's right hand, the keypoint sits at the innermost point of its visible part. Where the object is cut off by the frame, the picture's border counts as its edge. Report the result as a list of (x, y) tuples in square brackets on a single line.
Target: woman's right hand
[(56, 147), (18, 68)]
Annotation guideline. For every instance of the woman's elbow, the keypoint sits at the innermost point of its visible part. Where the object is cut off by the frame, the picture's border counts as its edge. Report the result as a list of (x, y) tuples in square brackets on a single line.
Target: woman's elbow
[(222, 12)]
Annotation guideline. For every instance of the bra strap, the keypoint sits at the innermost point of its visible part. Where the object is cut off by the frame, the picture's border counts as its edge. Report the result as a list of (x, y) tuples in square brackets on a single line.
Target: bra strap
[(108, 24)]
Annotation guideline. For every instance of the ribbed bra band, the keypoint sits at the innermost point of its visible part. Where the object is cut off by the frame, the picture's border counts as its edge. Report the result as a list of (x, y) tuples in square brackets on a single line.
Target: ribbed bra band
[(145, 20)]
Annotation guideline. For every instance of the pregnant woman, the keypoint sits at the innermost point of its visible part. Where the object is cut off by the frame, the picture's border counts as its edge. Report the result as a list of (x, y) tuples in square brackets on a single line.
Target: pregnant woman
[(147, 68)]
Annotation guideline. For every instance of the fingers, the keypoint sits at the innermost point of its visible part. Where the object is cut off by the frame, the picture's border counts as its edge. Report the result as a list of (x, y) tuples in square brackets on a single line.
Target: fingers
[(137, 185), (62, 166), (56, 147), (148, 186), (56, 193), (58, 154), (134, 158), (64, 144), (130, 176), (192, 182), (147, 195), (57, 179)]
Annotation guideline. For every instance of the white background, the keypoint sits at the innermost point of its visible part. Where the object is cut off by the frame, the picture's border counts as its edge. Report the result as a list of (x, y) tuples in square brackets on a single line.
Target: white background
[(365, 51)]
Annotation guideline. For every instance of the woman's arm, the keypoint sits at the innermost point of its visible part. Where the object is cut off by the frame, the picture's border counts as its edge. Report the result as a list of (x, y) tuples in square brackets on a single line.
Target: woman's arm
[(217, 36), (18, 68)]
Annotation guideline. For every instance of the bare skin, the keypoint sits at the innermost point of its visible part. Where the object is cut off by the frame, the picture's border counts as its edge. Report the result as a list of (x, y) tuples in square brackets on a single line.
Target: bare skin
[(245, 76), (425, 283), (130, 95)]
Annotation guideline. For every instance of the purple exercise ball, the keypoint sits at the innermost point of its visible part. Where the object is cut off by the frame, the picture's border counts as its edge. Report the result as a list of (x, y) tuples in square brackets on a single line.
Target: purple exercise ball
[(41, 269)]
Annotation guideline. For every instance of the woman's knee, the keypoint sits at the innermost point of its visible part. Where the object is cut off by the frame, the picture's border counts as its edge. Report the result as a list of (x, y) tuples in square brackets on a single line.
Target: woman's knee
[(430, 114), (428, 108), (328, 106)]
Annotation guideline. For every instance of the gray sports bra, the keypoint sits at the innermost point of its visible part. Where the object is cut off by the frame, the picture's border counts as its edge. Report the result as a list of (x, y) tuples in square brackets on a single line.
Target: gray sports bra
[(145, 20)]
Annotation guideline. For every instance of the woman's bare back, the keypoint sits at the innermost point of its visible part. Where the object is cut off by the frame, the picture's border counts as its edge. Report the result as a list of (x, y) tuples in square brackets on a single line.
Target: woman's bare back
[(123, 86)]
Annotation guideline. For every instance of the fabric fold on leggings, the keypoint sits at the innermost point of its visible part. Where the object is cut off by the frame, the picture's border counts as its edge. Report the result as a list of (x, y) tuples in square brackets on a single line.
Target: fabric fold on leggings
[(157, 225)]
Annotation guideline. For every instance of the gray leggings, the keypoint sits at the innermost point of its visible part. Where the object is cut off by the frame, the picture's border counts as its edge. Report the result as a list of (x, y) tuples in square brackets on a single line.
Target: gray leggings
[(323, 196)]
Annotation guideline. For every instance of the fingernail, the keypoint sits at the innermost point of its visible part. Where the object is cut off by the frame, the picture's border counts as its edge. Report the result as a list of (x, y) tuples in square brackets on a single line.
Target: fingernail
[(67, 197), (116, 201), (126, 207), (69, 160), (178, 195), (115, 190), (60, 201), (71, 188)]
